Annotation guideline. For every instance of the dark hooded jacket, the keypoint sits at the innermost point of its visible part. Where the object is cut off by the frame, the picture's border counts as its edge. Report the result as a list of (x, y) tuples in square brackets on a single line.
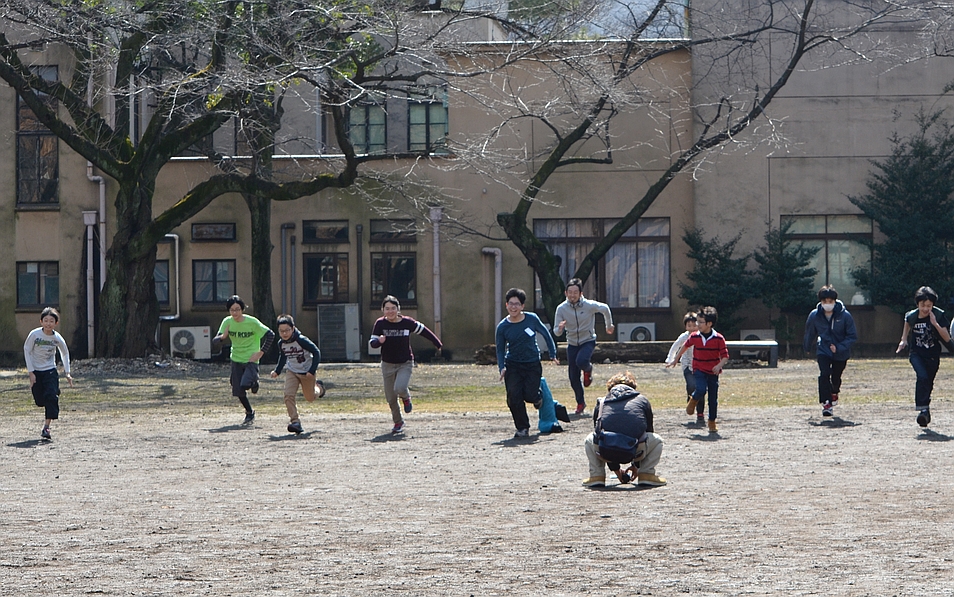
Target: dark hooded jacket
[(821, 332), (626, 411)]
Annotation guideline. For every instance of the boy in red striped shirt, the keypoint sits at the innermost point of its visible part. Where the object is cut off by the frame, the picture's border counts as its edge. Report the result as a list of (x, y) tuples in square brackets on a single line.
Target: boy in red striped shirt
[(709, 356)]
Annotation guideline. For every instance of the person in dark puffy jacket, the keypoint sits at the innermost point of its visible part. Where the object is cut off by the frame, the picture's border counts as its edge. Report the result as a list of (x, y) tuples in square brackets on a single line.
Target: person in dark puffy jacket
[(830, 332), (624, 410)]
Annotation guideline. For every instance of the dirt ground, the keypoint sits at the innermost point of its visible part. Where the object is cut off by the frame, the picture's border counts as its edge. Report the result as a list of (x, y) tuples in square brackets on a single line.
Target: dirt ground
[(166, 501)]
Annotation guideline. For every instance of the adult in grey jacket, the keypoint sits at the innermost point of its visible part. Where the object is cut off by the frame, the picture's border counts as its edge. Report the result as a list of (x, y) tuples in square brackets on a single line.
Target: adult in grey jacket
[(830, 332), (577, 316), (624, 410)]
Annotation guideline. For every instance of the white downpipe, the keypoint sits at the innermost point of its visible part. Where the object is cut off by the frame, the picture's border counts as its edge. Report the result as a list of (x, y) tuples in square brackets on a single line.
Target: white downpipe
[(498, 280), (436, 214), (285, 228), (89, 219), (102, 198), (102, 221)]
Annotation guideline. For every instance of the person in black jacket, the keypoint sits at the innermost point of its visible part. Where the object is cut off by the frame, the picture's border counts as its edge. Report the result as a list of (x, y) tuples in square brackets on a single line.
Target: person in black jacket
[(624, 411), (830, 332)]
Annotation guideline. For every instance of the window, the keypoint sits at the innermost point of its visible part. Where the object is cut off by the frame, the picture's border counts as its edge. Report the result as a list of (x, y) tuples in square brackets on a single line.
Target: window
[(213, 281), (161, 275), (213, 232), (633, 274), (38, 283), (394, 274), (324, 231), (37, 153), (326, 278), (845, 243), (393, 231), (427, 125), (367, 129)]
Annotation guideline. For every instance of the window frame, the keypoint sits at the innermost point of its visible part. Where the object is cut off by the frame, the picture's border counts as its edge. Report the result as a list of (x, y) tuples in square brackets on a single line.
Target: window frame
[(388, 284), (403, 231), (167, 283), (341, 281), (214, 281), (430, 146), (308, 238), (40, 289), (596, 287), (38, 136), (826, 237), (365, 145), (215, 232)]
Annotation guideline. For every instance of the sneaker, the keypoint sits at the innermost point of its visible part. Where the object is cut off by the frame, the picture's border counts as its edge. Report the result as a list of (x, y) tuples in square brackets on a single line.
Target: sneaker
[(407, 404), (595, 482), (521, 433), (397, 429), (713, 428), (700, 419), (254, 388), (249, 417), (320, 389), (924, 417), (295, 427), (691, 406), (827, 409), (45, 434), (580, 408), (649, 479), (587, 378), (834, 399)]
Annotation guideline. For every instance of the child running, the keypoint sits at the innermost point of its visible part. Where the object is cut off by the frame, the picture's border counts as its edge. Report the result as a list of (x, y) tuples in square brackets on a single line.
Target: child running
[(518, 359), (250, 340), (689, 320), (927, 328), (392, 334), (301, 356), (39, 352), (709, 356)]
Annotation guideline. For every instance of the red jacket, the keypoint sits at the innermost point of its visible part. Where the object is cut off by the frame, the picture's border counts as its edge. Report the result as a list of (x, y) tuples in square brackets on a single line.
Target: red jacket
[(707, 352)]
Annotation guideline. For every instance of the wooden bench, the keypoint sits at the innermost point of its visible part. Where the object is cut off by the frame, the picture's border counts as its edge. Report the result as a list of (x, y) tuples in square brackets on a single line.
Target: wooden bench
[(770, 345)]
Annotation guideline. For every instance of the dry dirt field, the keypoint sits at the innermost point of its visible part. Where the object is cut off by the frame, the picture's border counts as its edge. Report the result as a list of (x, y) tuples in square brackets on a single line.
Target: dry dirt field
[(167, 495)]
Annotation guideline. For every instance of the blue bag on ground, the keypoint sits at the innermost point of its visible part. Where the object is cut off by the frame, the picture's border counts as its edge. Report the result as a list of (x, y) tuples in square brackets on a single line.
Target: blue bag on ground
[(548, 418)]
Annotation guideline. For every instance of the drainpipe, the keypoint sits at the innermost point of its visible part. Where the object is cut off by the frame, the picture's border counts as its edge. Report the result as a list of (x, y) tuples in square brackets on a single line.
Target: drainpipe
[(359, 251), (89, 219), (102, 198), (293, 301), (102, 221), (436, 220), (498, 281), (285, 228)]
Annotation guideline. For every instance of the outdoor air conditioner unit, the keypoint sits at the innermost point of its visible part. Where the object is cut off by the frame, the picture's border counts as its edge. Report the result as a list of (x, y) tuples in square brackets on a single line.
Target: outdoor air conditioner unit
[(635, 332), (339, 338), (191, 342), (767, 334)]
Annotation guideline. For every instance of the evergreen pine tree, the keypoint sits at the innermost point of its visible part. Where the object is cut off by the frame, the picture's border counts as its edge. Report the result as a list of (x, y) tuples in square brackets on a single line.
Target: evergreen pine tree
[(785, 279), (911, 198), (717, 279)]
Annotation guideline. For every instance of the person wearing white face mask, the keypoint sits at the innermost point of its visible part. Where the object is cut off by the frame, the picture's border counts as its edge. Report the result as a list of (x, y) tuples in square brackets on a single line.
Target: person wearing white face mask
[(831, 331)]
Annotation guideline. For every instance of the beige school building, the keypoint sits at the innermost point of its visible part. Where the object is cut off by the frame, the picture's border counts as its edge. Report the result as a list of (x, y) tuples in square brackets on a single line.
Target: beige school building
[(335, 256)]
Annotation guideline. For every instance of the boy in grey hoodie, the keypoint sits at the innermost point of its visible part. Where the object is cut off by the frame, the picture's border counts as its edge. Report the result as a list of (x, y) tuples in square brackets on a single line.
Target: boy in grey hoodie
[(577, 316)]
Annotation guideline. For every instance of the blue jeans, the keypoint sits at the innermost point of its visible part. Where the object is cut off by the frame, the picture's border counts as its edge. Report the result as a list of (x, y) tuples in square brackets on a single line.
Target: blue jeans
[(925, 368), (707, 382), (579, 361), (829, 377)]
